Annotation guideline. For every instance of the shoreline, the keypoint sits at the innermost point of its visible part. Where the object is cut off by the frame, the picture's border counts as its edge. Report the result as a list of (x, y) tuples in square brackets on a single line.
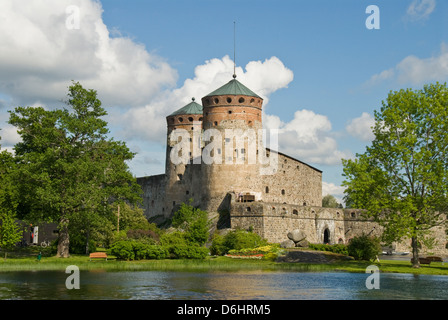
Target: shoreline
[(298, 261)]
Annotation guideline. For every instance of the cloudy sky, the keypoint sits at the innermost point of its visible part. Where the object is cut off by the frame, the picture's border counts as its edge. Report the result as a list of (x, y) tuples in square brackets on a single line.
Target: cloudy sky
[(322, 66)]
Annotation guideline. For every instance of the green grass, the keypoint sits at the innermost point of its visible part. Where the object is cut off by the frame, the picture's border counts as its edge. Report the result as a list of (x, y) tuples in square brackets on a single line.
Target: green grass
[(30, 263)]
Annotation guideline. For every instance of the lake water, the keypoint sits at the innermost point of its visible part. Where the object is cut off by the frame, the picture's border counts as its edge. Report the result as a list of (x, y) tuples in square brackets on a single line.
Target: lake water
[(155, 285)]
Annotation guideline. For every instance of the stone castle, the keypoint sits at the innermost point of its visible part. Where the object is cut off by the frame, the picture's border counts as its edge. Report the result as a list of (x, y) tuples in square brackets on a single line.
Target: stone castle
[(216, 157)]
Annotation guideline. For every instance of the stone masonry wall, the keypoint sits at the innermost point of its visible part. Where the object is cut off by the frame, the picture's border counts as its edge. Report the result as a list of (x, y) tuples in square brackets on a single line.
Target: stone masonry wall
[(273, 221), (294, 183)]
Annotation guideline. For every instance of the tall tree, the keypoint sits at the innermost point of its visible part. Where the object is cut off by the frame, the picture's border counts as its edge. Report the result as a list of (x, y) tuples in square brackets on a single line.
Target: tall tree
[(401, 180), (67, 165), (10, 231)]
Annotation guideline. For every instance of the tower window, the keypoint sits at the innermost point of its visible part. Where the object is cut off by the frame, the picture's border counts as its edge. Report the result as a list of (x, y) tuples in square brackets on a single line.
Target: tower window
[(229, 100), (283, 191), (230, 111), (216, 100), (181, 120), (190, 119), (252, 100), (241, 100), (267, 190), (215, 123), (200, 119), (179, 177)]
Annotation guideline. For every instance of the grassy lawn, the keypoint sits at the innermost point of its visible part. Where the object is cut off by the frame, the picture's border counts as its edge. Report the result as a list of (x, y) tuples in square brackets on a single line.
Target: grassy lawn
[(30, 263)]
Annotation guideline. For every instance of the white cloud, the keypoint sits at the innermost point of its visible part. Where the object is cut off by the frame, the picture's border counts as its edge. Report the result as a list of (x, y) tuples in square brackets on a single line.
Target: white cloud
[(308, 137), (420, 9), (415, 70), (334, 190), (39, 55), (361, 127)]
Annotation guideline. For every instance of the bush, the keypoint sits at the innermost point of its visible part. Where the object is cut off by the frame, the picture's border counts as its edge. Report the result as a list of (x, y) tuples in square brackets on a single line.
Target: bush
[(364, 248), (137, 250), (336, 248), (235, 240), (188, 252), (156, 252), (240, 239), (123, 250), (173, 238), (217, 248)]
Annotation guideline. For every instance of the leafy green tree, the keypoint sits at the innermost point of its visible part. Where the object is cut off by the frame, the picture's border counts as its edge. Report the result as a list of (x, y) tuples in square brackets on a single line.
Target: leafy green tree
[(401, 179), (67, 166), (364, 248), (330, 201), (10, 231), (194, 222)]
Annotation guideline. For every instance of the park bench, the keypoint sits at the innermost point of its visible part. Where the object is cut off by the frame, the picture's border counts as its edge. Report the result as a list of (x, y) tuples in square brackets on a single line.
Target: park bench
[(98, 255)]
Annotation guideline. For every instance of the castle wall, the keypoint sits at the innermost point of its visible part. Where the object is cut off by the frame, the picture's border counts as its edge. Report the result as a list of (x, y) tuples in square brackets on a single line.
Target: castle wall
[(153, 188), (294, 183), (273, 221)]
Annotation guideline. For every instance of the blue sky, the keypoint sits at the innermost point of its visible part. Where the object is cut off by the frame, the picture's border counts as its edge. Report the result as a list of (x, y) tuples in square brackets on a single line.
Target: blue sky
[(323, 72)]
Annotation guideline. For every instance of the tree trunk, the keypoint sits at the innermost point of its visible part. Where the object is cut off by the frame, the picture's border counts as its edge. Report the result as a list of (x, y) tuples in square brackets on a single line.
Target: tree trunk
[(415, 257), (63, 240)]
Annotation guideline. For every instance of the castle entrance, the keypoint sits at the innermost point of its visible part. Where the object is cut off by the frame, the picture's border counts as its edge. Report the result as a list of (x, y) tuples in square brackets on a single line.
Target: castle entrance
[(326, 236)]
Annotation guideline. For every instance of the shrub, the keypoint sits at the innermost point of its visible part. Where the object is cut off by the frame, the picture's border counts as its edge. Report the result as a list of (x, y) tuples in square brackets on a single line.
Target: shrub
[(137, 250), (240, 239), (364, 247), (217, 247), (123, 250), (336, 248), (188, 252), (173, 238), (156, 252)]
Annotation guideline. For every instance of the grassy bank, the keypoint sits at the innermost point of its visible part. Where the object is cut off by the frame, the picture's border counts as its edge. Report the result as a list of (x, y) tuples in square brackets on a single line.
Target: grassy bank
[(210, 264)]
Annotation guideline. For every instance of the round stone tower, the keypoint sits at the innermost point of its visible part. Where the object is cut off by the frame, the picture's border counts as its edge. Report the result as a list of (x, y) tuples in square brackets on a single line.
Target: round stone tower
[(232, 118), (183, 144)]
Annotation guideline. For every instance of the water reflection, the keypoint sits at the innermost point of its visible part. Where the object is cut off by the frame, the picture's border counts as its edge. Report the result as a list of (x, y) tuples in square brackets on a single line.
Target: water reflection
[(151, 285)]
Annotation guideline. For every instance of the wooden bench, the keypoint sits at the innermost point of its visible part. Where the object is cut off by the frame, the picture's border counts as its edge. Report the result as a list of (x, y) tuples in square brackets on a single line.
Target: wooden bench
[(98, 255)]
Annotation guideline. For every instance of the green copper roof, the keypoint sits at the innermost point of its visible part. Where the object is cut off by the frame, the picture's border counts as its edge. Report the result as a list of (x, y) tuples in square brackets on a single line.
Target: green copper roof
[(191, 108), (233, 87)]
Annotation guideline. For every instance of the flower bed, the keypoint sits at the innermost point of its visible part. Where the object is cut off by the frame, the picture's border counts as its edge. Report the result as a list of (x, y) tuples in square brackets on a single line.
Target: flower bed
[(253, 253), (241, 256)]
